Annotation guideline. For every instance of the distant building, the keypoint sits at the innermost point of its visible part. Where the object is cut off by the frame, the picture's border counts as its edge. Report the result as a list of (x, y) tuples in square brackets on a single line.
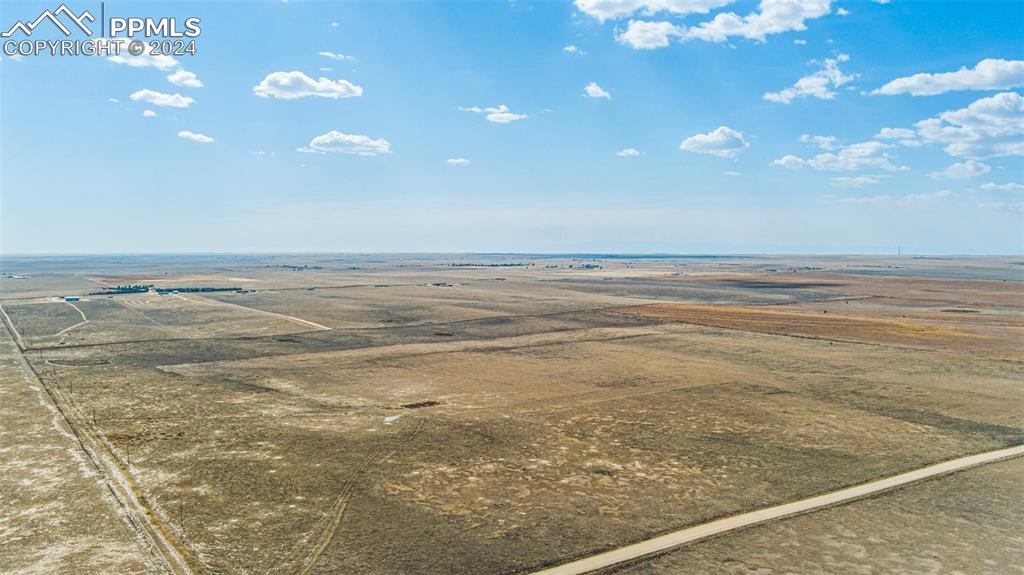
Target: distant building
[(72, 298)]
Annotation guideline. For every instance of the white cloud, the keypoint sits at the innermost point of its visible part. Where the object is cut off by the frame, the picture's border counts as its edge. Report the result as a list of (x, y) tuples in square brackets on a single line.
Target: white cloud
[(335, 24), (161, 99), (326, 69), (201, 138), (113, 100), (962, 171), (856, 181), (335, 142), (641, 35), (259, 153), (987, 128), (149, 113), (905, 137), (930, 196), (723, 142), (800, 42), (145, 60), (571, 49), (338, 57), (886, 200), (497, 114), (843, 12), (611, 9), (628, 153), (457, 162), (818, 84), (847, 158), (823, 142), (988, 74), (185, 78), (1008, 187), (592, 90), (789, 161), (730, 173), (772, 17), (881, 1), (295, 84)]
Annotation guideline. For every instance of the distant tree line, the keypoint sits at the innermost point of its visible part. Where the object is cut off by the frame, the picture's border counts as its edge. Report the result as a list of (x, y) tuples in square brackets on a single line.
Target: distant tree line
[(495, 265), (143, 288), (301, 268), (133, 288), (196, 289)]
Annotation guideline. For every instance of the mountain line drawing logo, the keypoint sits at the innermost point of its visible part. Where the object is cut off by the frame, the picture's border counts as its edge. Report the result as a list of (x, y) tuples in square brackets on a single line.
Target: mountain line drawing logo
[(28, 28)]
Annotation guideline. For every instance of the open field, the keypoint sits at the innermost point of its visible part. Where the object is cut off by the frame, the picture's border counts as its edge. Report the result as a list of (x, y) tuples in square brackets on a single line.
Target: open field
[(400, 414)]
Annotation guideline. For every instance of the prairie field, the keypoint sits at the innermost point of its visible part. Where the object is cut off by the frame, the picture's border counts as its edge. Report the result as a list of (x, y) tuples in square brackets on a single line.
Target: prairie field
[(501, 414)]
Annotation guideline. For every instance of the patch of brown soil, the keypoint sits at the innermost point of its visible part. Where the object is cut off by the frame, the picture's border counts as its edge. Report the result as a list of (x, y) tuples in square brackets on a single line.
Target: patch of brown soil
[(825, 325)]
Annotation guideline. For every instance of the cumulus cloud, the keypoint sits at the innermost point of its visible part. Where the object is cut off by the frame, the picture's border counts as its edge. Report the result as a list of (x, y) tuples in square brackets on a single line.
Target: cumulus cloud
[(628, 153), (856, 181), (988, 74), (161, 99), (497, 114), (903, 136), (846, 158), (147, 59), (723, 142), (818, 84), (735, 174), (295, 84), (195, 137), (113, 100), (338, 57), (843, 12), (185, 78), (895, 133), (962, 171), (1008, 187), (149, 113), (988, 127), (823, 142), (790, 162), (592, 90), (611, 9), (800, 42), (335, 142), (641, 35), (571, 49), (772, 17), (457, 162)]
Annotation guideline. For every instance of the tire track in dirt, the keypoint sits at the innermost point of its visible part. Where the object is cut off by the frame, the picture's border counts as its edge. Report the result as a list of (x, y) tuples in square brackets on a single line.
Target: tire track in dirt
[(328, 525)]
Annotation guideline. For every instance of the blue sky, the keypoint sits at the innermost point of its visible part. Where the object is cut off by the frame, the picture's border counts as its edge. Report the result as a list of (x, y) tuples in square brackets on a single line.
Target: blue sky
[(754, 128)]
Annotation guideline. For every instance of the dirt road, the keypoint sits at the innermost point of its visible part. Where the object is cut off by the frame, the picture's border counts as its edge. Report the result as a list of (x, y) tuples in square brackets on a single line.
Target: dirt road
[(676, 538)]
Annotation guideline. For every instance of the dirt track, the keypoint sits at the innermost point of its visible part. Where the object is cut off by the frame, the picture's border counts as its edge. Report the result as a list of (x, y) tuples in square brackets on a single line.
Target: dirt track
[(690, 534)]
